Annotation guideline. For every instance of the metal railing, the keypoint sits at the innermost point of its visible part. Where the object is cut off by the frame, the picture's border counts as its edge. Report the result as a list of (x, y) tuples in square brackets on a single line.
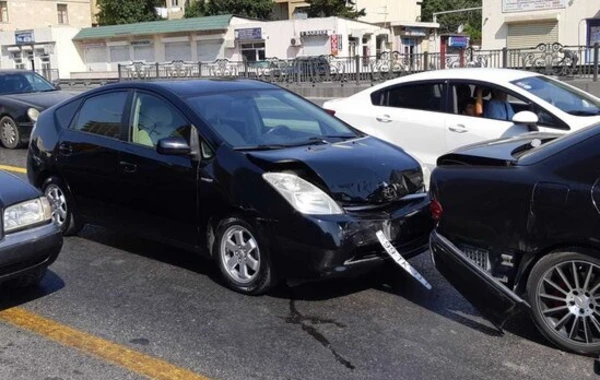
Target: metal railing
[(550, 59), (51, 75)]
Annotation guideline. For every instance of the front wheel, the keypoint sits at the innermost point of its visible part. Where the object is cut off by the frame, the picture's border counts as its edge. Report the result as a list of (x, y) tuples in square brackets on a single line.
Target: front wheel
[(242, 257), (564, 293), (64, 213), (9, 133)]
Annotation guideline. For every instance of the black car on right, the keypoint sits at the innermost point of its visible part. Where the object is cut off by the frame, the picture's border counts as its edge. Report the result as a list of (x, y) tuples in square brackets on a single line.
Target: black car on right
[(519, 230)]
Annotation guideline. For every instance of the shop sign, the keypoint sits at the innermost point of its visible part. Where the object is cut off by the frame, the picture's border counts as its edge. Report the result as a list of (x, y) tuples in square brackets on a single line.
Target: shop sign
[(531, 5), (24, 37), (310, 33), (141, 43), (248, 34), (93, 45), (413, 31), (458, 41), (334, 45)]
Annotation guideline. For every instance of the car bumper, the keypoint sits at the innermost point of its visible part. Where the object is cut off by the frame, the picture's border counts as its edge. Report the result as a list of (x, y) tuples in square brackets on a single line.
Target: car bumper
[(29, 250), (494, 300), (328, 246), (25, 129)]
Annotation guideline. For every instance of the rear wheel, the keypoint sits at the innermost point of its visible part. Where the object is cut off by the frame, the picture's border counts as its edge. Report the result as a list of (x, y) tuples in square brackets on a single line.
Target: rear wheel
[(564, 292), (64, 212), (242, 257), (9, 133)]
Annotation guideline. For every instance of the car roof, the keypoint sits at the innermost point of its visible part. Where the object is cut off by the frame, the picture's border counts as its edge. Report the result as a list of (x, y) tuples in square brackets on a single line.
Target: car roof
[(193, 87), (482, 74), (15, 71)]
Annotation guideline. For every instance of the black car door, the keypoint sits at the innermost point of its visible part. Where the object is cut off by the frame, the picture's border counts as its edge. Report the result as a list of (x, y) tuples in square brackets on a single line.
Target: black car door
[(158, 193), (87, 154)]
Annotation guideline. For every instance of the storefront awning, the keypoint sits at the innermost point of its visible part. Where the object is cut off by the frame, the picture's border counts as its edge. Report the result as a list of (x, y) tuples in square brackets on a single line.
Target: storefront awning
[(416, 24)]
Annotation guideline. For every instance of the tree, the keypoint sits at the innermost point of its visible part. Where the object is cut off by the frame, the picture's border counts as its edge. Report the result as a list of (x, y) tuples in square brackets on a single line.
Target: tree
[(449, 23), (259, 9), (195, 8), (328, 8), (115, 12)]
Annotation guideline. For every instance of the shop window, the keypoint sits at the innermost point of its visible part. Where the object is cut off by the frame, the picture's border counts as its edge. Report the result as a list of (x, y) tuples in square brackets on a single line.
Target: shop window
[(18, 60), (3, 11), (63, 13), (254, 52)]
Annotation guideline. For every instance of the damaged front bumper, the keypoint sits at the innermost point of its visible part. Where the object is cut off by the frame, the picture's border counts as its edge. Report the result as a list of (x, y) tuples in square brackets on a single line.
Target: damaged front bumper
[(495, 301), (316, 247)]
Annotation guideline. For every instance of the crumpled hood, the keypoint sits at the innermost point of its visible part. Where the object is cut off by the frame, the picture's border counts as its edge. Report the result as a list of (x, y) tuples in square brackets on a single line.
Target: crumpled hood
[(40, 100), (15, 190), (360, 171)]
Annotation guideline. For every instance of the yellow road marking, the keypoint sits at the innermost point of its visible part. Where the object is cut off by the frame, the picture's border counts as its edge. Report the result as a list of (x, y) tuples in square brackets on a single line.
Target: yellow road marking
[(15, 169), (134, 361)]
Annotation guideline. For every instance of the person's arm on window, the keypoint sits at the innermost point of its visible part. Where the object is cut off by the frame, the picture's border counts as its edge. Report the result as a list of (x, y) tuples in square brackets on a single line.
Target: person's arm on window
[(479, 102)]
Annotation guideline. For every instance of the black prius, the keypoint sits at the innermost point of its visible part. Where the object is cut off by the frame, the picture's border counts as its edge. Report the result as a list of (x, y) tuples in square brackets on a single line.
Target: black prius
[(265, 182), (519, 228), (29, 241)]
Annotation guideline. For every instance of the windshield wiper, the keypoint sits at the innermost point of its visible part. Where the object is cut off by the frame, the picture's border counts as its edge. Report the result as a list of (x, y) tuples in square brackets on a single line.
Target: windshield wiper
[(261, 147)]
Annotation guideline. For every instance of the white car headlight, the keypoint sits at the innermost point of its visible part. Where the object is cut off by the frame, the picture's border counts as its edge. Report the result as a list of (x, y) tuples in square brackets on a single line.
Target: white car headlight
[(302, 195), (33, 114), (26, 214)]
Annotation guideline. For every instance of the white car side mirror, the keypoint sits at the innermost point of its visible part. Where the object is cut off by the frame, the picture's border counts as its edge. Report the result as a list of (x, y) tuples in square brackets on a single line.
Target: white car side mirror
[(525, 117)]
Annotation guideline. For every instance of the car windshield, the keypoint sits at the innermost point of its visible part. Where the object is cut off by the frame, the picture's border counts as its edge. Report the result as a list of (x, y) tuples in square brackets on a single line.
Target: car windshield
[(268, 119), (560, 95), (20, 83)]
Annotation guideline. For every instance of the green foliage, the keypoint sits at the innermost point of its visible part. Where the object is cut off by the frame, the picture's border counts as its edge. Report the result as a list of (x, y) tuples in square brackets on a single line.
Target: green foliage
[(328, 8), (115, 12), (449, 23), (195, 8), (259, 9)]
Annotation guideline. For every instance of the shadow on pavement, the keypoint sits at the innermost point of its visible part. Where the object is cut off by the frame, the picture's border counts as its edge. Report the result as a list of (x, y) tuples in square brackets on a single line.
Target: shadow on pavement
[(12, 297)]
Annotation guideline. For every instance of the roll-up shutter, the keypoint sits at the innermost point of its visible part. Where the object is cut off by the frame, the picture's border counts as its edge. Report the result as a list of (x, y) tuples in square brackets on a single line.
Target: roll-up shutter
[(178, 51), (529, 35), (209, 51)]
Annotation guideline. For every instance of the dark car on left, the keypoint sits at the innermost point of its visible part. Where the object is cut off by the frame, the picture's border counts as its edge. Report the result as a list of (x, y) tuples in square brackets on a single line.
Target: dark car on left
[(264, 182), (29, 240), (23, 95)]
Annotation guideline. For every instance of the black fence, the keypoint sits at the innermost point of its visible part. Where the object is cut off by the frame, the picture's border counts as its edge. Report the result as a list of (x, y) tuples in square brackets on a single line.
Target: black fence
[(550, 59)]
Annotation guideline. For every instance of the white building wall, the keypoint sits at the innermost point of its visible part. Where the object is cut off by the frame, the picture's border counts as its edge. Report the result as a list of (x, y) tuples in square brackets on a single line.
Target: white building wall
[(571, 21), (66, 57), (387, 11)]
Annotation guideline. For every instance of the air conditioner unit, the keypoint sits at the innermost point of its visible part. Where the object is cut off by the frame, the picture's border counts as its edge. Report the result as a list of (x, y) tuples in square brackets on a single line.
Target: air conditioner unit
[(295, 41), (229, 44)]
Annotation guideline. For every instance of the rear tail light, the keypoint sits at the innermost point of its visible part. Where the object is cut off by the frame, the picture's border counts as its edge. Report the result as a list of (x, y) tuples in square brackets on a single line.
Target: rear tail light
[(436, 209), (331, 112)]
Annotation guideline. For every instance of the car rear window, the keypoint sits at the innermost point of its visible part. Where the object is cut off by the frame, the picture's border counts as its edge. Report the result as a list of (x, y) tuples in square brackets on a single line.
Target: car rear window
[(65, 114)]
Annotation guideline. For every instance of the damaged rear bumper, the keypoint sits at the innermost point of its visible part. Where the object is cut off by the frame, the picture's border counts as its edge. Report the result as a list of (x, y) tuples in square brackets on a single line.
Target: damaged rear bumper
[(317, 247), (495, 301)]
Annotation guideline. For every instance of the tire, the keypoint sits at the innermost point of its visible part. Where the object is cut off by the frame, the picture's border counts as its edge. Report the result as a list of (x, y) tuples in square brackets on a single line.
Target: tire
[(249, 270), (564, 316), (30, 279), (9, 133), (64, 211)]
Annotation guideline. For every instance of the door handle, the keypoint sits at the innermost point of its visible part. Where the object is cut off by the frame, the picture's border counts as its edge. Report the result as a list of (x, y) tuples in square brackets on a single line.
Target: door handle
[(383, 119), (128, 167), (458, 128), (65, 149)]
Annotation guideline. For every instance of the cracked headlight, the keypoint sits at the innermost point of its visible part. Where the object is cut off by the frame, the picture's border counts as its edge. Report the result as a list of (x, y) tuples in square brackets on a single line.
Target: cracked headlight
[(26, 214), (33, 114), (303, 195)]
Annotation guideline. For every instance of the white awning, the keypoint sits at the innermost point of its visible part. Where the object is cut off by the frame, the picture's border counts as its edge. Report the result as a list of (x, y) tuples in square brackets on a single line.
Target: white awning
[(416, 24)]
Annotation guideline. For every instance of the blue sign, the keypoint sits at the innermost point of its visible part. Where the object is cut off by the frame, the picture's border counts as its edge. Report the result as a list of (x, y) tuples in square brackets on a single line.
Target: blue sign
[(458, 41), (24, 37), (248, 34)]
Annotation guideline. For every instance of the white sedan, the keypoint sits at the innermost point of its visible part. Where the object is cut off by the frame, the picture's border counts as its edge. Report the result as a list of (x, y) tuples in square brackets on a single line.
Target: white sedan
[(431, 113)]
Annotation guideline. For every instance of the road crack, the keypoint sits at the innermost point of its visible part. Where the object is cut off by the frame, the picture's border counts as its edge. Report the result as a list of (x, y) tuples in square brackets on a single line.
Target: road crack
[(307, 324)]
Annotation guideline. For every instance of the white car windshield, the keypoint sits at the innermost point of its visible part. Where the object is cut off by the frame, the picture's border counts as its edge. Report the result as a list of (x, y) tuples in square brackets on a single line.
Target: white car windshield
[(560, 95), (268, 119)]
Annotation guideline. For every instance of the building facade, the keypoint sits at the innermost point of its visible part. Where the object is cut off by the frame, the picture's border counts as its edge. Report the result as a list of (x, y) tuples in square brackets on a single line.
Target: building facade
[(224, 37), (518, 24), (27, 14)]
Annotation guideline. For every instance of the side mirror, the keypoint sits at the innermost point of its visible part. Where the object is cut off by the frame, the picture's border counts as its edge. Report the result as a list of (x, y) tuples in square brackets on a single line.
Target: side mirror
[(527, 118), (173, 146), (57, 87)]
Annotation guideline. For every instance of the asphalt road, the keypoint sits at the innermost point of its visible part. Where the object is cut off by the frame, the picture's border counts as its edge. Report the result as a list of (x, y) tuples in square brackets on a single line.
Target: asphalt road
[(168, 304)]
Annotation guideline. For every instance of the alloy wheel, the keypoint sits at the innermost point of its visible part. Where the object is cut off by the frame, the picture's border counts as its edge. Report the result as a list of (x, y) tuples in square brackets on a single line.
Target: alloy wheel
[(9, 133), (58, 202), (569, 301), (240, 254)]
